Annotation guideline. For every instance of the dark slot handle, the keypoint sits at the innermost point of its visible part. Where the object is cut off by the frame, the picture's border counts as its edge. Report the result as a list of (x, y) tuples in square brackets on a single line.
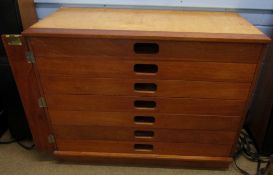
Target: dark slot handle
[(144, 104), (145, 87), (144, 134), (143, 147), (146, 48), (144, 120), (146, 68)]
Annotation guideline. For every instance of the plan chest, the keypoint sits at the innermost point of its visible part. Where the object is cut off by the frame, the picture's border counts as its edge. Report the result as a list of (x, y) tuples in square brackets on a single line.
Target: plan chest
[(150, 87)]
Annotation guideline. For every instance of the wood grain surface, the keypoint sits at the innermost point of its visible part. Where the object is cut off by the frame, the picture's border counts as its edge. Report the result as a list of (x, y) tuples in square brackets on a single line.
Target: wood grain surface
[(144, 159), (163, 105), (168, 50), (138, 134), (148, 20), (127, 119), (101, 67), (27, 83), (147, 24), (142, 87), (160, 148)]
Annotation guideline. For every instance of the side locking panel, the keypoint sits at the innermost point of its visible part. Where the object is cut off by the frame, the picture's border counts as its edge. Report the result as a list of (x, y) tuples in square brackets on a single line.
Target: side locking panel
[(27, 82)]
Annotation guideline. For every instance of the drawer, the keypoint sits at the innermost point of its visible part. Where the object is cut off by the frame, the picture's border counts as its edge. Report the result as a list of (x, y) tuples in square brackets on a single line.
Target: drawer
[(143, 134), (149, 104), (96, 67), (144, 120), (185, 149), (144, 87), (146, 49)]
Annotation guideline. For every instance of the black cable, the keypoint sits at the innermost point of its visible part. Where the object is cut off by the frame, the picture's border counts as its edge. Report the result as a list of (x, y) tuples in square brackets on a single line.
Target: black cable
[(8, 142), (240, 169), (258, 167), (247, 148), (26, 147), (18, 141)]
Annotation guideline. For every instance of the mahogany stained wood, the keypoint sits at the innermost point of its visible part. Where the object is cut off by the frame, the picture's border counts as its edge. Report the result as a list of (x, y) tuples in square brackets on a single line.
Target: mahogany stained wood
[(27, 13), (163, 105), (144, 159), (168, 50), (142, 87), (118, 68), (205, 69), (71, 132), (160, 148), (127, 119), (144, 35), (28, 88), (159, 24)]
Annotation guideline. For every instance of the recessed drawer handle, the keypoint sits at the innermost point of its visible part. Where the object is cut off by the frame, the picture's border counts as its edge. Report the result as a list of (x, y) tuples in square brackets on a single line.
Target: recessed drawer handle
[(146, 48), (146, 68), (143, 147), (145, 87), (144, 104), (149, 120), (144, 134)]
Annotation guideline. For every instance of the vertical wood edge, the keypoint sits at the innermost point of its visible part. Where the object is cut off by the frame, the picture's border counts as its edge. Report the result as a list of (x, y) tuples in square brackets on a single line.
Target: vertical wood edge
[(250, 97), (42, 93), (27, 84), (27, 13)]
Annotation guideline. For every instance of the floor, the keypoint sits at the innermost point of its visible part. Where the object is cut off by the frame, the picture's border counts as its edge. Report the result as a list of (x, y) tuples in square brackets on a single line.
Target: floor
[(15, 160)]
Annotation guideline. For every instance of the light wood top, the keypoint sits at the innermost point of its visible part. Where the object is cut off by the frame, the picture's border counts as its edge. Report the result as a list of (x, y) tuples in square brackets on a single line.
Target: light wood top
[(148, 20)]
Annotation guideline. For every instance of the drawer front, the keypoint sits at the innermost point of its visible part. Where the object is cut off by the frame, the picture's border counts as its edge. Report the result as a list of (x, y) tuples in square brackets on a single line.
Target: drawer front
[(145, 49), (143, 134), (150, 104), (185, 149), (96, 67), (144, 120), (142, 87)]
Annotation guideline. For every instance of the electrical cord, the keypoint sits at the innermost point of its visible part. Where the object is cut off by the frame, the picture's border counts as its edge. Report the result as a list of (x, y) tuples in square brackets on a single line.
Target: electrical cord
[(240, 169), (26, 147), (247, 148), (19, 142), (8, 142)]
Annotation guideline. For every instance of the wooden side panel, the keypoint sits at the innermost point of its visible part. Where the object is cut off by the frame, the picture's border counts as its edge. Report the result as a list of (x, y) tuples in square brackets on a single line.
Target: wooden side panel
[(260, 112), (27, 84), (161, 105), (100, 67), (249, 100), (147, 49)]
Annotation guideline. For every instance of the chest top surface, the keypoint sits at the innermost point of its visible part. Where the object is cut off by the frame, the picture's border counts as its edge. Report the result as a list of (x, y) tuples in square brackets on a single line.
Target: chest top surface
[(173, 23)]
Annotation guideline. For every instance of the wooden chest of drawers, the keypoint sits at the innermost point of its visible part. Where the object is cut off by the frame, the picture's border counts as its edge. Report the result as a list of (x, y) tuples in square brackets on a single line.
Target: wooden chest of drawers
[(137, 86)]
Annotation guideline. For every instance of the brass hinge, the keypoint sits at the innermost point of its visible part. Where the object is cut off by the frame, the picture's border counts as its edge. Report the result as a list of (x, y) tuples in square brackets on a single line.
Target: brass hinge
[(14, 40), (30, 57), (51, 139), (42, 102)]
